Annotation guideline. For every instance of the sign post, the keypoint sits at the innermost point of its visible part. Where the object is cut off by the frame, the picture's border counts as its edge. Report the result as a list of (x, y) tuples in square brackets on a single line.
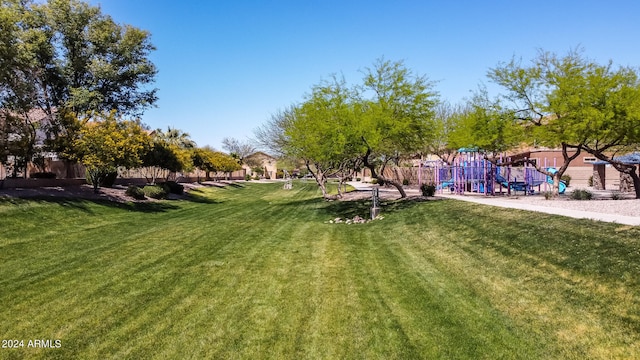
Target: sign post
[(375, 203)]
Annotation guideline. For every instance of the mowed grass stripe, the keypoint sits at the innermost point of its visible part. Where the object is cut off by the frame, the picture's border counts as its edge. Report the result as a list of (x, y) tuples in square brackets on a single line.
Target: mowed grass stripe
[(257, 272)]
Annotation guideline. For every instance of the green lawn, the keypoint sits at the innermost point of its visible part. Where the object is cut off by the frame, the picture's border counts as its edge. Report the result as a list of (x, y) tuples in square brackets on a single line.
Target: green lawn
[(254, 271)]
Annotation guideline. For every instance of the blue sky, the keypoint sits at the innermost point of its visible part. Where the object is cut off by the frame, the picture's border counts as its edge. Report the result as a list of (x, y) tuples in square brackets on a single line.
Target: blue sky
[(226, 66)]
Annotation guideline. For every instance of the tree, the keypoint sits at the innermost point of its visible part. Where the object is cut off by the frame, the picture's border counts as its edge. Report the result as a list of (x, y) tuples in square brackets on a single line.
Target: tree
[(603, 104), (107, 143), (446, 117), (486, 125), (169, 153), (66, 57), (210, 160), (528, 90), (237, 149), (323, 134), (272, 136), (175, 137), (576, 104), (99, 65), (20, 49), (397, 120)]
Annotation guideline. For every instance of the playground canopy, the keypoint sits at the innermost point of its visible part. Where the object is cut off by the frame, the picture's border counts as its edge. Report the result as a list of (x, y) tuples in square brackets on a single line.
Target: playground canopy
[(628, 159)]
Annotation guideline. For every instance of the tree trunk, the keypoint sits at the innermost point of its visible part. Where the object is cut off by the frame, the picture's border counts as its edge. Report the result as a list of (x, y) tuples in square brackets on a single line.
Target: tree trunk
[(636, 182), (379, 177), (321, 180), (623, 168)]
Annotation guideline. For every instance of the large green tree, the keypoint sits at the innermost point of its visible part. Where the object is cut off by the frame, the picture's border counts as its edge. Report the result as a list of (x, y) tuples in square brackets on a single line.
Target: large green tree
[(21, 47), (603, 104), (528, 92), (486, 125), (576, 104), (323, 135), (66, 57), (396, 117)]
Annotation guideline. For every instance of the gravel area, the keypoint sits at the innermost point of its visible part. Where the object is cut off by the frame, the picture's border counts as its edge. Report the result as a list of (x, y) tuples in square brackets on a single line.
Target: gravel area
[(601, 203), (626, 206)]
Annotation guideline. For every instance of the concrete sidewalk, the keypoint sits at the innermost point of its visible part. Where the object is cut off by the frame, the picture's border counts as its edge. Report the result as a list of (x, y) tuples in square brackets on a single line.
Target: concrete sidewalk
[(520, 205), (578, 214)]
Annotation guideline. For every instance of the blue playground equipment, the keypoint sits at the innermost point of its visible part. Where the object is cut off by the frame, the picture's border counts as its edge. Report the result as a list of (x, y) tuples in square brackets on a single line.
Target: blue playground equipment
[(562, 186), (472, 173)]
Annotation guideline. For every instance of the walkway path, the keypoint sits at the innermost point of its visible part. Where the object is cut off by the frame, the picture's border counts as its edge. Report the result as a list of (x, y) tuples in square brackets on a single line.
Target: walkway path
[(520, 205)]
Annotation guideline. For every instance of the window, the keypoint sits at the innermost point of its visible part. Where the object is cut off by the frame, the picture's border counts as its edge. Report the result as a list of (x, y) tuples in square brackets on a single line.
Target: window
[(589, 160)]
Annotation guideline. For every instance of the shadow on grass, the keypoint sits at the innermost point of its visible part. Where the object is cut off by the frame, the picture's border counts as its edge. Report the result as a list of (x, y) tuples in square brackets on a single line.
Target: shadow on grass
[(360, 207), (85, 204), (234, 185), (199, 196)]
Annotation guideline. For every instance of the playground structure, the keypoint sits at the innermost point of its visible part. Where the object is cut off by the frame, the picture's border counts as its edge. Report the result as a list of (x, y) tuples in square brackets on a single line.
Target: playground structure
[(470, 172)]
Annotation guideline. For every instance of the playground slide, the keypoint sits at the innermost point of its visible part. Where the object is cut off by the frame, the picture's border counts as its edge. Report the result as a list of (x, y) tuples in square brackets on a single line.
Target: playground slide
[(445, 184), (517, 185), (562, 186)]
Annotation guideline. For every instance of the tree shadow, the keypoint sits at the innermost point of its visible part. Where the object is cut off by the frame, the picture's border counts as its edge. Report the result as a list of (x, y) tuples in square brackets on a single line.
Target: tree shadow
[(85, 204), (233, 185), (360, 207), (198, 196)]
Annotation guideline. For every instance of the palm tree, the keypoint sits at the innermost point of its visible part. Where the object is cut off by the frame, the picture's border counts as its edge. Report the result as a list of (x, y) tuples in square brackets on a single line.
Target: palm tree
[(176, 137)]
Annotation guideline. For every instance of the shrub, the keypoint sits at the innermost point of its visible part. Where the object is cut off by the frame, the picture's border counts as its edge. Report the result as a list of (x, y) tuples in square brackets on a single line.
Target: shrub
[(427, 190), (616, 195), (247, 177), (155, 191), (106, 181), (173, 187), (566, 179), (43, 175), (580, 194), (358, 179), (548, 195), (405, 182), (374, 181), (590, 181), (135, 192)]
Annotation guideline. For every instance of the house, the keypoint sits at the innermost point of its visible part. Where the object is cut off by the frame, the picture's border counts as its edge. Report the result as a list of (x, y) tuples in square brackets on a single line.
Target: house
[(260, 164)]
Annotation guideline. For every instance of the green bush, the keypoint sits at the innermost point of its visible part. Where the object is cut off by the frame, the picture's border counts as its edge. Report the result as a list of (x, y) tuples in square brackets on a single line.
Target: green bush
[(173, 187), (155, 191), (135, 192), (247, 177), (405, 182), (580, 194), (43, 175), (566, 179), (427, 190), (590, 181)]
